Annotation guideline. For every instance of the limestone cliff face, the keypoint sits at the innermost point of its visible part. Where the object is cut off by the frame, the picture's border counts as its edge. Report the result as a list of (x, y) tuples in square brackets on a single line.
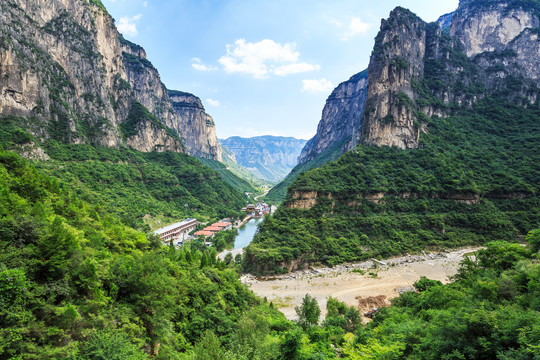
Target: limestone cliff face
[(417, 69), (502, 38), (397, 60), (341, 118), (196, 126), (70, 76), (58, 62), (420, 70), (484, 28)]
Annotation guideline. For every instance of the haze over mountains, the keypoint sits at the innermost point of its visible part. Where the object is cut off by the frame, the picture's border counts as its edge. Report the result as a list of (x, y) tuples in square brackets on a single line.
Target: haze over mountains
[(267, 157)]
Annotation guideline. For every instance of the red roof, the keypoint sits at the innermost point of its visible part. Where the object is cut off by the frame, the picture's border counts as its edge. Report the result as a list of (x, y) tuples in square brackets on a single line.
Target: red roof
[(212, 228), (221, 224), (204, 233)]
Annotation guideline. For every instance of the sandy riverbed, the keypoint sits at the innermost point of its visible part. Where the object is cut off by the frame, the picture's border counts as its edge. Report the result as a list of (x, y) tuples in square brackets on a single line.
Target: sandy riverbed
[(363, 291)]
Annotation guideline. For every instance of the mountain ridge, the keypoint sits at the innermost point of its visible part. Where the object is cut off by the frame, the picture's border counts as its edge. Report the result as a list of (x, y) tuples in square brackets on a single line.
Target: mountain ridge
[(268, 157)]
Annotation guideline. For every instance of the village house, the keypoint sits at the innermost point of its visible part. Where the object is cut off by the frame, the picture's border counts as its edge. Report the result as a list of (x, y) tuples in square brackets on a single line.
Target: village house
[(204, 233), (213, 229), (258, 210), (223, 225)]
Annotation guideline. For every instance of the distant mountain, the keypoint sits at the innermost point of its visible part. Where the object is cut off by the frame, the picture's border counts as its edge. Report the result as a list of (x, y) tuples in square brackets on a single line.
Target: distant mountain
[(267, 157)]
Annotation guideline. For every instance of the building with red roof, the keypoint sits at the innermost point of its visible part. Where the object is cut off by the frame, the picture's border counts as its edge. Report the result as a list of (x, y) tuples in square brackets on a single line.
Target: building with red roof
[(212, 228), (204, 233)]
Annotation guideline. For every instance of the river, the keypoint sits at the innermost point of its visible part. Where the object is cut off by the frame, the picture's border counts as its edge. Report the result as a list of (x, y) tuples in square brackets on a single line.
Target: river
[(246, 233)]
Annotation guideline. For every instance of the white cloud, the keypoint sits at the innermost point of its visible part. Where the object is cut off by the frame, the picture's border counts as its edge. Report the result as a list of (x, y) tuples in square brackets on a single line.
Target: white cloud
[(356, 27), (126, 25), (145, 4), (314, 86), (198, 65), (213, 102), (295, 68), (263, 58)]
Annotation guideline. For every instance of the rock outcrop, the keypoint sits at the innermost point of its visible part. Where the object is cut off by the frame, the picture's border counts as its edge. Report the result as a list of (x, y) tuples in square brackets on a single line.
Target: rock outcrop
[(341, 118), (396, 61), (418, 70), (70, 76), (196, 126)]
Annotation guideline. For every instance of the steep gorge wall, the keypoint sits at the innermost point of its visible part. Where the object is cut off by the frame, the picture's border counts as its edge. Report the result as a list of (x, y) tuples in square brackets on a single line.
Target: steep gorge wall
[(397, 60), (70, 76), (417, 69), (196, 126), (341, 117)]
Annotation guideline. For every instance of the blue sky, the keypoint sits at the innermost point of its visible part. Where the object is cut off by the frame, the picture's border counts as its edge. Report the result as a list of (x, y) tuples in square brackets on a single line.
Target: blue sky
[(260, 67)]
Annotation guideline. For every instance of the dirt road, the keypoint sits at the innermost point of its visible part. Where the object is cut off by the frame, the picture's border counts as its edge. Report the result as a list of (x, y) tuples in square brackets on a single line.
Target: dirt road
[(374, 288)]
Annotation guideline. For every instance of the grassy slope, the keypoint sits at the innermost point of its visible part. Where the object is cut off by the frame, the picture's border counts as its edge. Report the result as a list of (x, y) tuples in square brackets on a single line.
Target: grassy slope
[(133, 184), (237, 182)]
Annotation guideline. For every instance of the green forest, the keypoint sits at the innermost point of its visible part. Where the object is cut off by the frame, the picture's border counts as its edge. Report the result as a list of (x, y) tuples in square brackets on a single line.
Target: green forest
[(486, 155), (160, 184), (77, 283)]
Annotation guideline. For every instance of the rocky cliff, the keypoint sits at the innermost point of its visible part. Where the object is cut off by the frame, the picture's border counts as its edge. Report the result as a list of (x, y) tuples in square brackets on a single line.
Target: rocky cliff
[(419, 70), (341, 117), (267, 157), (69, 76), (397, 60), (198, 128)]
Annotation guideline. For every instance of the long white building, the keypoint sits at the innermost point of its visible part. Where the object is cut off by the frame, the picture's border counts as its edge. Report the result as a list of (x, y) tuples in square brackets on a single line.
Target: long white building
[(174, 230)]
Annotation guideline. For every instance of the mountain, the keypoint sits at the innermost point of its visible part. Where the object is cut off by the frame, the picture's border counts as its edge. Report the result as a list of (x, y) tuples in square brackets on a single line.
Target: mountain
[(91, 109), (267, 157), (447, 150), (71, 77), (342, 121)]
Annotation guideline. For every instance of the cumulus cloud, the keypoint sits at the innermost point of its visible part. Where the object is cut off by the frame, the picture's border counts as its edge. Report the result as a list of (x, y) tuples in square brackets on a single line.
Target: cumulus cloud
[(263, 58), (198, 65), (356, 27), (321, 85), (213, 102), (127, 25)]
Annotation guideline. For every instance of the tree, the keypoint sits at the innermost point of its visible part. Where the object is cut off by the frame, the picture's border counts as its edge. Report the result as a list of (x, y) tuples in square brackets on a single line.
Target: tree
[(533, 239), (209, 348), (291, 345), (424, 283), (308, 313), (111, 346), (228, 258)]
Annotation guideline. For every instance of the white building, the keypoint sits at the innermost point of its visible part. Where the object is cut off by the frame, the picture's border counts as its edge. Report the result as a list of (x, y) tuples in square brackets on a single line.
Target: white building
[(177, 229)]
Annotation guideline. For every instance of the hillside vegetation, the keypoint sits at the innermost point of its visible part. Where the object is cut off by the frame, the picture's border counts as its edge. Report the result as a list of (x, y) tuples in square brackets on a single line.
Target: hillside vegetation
[(76, 283), (133, 184), (475, 179)]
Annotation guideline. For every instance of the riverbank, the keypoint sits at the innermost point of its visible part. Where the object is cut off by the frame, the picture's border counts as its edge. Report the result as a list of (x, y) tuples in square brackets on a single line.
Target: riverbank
[(380, 282), (245, 235)]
